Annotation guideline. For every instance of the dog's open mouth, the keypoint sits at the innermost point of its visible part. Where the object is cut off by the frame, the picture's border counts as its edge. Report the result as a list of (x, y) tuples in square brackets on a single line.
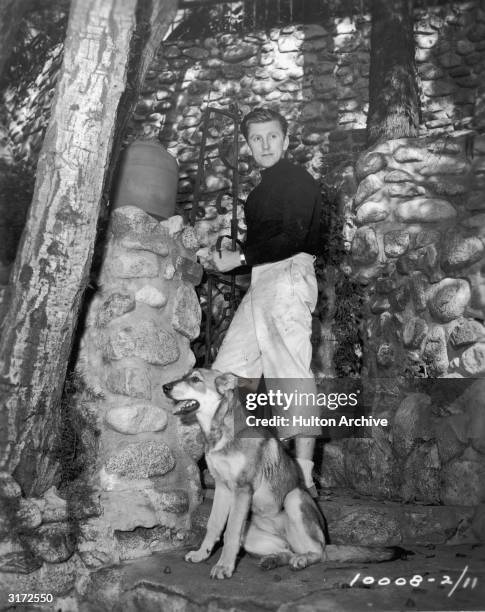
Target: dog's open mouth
[(186, 407)]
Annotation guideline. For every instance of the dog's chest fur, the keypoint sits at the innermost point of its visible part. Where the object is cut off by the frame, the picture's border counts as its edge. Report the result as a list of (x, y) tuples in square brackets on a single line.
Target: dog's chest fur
[(226, 467)]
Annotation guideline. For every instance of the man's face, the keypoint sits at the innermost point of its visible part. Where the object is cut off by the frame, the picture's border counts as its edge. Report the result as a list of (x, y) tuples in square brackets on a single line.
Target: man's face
[(267, 142)]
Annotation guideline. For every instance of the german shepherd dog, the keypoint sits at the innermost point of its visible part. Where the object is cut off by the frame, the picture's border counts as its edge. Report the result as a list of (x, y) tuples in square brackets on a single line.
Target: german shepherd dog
[(254, 476)]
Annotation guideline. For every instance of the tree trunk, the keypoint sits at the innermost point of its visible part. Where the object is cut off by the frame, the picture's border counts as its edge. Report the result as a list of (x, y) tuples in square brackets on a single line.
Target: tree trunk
[(54, 258), (393, 93), (11, 12)]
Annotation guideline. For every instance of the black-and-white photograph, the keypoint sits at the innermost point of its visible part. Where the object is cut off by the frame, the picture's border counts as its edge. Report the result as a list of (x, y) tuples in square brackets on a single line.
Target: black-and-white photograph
[(242, 305)]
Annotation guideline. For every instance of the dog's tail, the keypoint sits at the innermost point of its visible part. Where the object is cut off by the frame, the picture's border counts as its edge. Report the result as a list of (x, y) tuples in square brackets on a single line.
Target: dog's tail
[(363, 554)]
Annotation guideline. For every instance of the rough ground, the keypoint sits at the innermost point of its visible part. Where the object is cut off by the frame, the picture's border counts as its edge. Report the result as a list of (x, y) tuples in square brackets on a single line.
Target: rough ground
[(165, 583)]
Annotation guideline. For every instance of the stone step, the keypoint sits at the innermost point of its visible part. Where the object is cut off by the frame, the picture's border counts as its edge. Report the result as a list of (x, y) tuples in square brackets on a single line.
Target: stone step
[(354, 519)]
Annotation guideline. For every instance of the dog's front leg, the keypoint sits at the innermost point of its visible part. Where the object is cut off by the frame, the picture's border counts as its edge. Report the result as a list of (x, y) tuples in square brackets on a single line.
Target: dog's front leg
[(233, 535), (215, 524)]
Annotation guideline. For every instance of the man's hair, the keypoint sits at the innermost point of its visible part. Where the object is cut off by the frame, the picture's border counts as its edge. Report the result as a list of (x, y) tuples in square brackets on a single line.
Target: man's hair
[(262, 115)]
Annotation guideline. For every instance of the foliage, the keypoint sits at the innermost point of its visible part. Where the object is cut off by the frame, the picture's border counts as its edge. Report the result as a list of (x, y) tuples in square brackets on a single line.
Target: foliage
[(41, 30), (331, 225), (349, 294), (76, 449), (347, 326)]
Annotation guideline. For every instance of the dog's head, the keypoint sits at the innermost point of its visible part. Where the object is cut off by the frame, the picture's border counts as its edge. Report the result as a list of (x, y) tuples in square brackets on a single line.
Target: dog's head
[(200, 392)]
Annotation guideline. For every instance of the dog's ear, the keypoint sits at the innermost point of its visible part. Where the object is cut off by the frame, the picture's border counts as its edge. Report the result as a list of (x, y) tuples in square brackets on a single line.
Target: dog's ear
[(226, 382), (225, 385)]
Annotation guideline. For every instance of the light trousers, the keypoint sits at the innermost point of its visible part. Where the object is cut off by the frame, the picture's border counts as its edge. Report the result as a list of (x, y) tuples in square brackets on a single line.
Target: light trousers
[(270, 335)]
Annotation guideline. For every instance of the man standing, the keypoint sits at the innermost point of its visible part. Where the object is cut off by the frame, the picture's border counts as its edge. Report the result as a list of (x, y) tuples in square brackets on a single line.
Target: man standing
[(270, 332)]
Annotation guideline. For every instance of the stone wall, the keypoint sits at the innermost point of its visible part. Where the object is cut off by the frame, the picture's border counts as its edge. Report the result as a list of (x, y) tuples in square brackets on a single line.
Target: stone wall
[(418, 241), (38, 541), (450, 54), (137, 338), (317, 75), (417, 244)]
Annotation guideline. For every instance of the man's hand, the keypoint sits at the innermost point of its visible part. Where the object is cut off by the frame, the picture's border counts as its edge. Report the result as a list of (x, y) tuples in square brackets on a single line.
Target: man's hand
[(226, 260)]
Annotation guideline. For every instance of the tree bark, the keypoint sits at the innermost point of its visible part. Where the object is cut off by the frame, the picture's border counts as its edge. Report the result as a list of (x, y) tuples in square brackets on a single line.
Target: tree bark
[(11, 12), (393, 92), (54, 258)]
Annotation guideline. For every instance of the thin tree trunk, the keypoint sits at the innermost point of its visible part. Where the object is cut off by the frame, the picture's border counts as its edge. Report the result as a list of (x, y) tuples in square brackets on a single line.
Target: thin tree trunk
[(54, 257), (11, 13), (393, 93)]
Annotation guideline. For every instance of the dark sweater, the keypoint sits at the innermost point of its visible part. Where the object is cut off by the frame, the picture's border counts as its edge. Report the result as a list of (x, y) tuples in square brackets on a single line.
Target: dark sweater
[(282, 215)]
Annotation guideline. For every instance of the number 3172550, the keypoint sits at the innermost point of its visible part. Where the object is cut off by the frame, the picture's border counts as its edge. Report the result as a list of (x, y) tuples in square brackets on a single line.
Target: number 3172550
[(30, 598)]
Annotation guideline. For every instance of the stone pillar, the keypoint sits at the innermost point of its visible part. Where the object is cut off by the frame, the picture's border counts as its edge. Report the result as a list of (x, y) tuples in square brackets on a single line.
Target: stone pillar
[(137, 337), (418, 247)]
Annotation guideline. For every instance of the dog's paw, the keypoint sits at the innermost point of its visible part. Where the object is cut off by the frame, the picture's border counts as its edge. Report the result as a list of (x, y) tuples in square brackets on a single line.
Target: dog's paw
[(196, 556), (298, 562), (221, 571)]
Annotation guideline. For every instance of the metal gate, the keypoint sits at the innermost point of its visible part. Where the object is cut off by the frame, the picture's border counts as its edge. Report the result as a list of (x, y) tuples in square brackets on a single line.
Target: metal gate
[(219, 294)]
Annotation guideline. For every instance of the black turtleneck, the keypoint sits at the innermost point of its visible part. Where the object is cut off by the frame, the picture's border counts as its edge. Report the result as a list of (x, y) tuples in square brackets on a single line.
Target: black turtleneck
[(282, 215)]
